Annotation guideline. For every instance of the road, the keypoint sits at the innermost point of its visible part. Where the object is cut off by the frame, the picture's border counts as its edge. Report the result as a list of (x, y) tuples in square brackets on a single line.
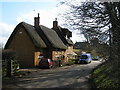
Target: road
[(75, 76)]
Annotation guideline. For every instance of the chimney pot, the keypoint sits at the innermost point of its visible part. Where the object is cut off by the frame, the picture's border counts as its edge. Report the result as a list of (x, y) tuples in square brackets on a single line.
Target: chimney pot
[(36, 21), (55, 24), (55, 19), (38, 15)]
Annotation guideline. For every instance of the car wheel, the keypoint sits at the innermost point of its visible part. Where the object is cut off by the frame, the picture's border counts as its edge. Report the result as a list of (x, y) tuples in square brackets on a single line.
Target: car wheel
[(90, 62)]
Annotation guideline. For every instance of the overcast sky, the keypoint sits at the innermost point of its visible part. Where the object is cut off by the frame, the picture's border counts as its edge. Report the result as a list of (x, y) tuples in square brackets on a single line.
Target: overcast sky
[(13, 12)]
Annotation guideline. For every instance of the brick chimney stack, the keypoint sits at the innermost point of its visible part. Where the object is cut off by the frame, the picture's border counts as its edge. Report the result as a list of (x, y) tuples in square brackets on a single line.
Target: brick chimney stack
[(55, 24), (36, 21)]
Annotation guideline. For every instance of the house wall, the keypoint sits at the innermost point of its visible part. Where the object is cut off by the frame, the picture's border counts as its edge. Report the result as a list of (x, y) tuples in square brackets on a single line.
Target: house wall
[(67, 52), (48, 53), (37, 55), (58, 55), (62, 55), (24, 48), (36, 58)]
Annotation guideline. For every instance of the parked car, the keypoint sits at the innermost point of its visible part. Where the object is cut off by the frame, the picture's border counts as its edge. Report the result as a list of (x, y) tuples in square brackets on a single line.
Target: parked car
[(96, 58), (85, 58), (46, 63)]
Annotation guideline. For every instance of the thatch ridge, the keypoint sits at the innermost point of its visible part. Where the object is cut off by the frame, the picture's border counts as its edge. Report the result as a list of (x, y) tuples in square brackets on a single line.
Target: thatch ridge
[(62, 33), (36, 39), (34, 35), (53, 37)]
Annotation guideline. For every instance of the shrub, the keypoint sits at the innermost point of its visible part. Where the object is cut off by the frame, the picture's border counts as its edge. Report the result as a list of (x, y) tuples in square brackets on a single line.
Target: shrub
[(70, 62)]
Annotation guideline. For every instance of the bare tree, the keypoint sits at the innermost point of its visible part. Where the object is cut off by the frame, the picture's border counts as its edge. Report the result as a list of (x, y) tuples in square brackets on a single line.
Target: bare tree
[(90, 18), (96, 20), (113, 10)]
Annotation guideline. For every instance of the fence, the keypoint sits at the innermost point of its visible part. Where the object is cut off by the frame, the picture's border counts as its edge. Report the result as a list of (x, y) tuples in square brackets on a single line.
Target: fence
[(8, 67)]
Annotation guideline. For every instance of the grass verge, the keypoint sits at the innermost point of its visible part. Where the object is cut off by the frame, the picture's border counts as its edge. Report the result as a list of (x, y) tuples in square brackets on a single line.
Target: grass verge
[(106, 75)]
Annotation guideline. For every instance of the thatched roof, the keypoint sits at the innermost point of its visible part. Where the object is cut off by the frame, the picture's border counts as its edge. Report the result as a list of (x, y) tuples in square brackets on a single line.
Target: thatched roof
[(41, 36), (53, 37), (69, 41), (62, 33), (36, 39)]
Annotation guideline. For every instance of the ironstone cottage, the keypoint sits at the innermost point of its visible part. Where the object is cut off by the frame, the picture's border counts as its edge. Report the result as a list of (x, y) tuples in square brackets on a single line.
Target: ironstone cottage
[(29, 42), (65, 35)]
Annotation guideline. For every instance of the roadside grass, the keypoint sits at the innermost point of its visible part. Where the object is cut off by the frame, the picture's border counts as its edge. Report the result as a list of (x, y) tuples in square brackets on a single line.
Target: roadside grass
[(105, 75)]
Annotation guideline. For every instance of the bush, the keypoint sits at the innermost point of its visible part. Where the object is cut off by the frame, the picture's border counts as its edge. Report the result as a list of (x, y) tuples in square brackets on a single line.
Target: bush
[(70, 62)]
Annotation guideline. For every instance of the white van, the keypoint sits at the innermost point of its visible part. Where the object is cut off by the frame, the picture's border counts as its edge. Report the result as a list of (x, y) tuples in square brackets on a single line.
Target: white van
[(85, 58)]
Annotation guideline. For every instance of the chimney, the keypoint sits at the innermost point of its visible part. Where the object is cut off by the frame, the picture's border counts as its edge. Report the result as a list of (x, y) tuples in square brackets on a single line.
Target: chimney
[(55, 24), (36, 21)]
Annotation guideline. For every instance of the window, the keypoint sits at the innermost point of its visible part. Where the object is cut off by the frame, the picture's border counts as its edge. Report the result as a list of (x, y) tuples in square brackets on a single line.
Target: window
[(84, 57)]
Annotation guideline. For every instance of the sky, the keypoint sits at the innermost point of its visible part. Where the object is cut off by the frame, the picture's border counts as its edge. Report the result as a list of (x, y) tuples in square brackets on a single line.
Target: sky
[(12, 12)]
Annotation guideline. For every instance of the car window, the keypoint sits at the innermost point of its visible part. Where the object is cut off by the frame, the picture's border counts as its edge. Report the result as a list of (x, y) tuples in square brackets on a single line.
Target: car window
[(84, 57)]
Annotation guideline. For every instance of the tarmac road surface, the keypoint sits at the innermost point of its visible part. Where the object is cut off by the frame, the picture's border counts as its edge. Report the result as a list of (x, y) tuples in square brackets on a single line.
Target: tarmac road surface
[(75, 76)]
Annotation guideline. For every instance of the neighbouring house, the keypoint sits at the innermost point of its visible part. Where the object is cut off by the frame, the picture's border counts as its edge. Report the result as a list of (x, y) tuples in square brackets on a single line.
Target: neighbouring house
[(84, 45), (29, 42), (81, 45), (65, 35)]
